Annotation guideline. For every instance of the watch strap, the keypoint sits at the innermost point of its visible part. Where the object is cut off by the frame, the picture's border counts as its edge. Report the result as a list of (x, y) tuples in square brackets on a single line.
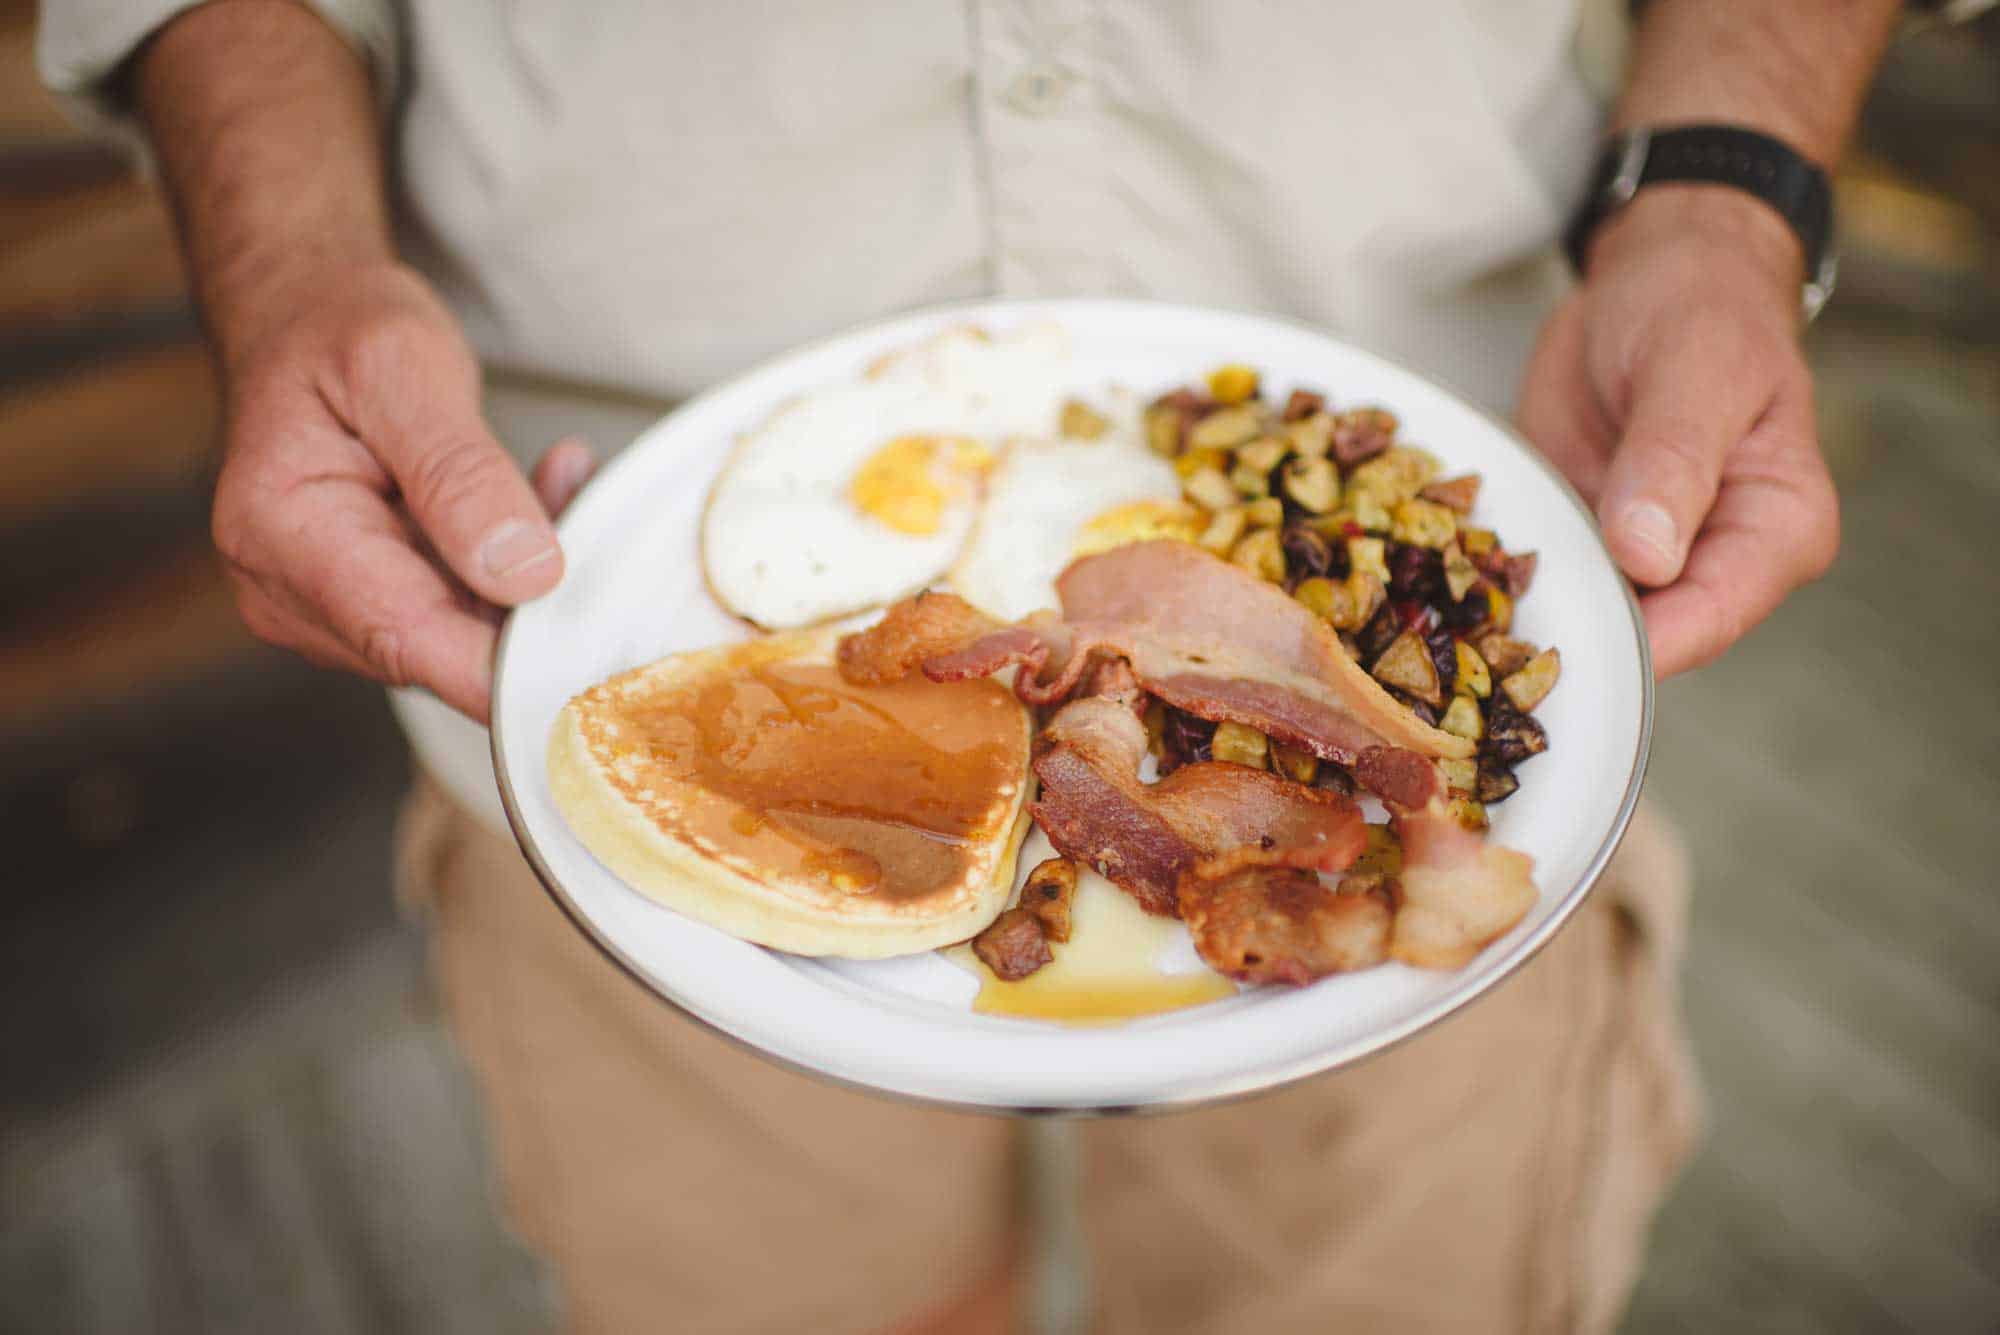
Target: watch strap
[(1725, 155)]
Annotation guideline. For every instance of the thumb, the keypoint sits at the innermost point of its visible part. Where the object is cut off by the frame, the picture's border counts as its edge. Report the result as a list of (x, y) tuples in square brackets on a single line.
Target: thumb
[(1692, 401), (465, 493)]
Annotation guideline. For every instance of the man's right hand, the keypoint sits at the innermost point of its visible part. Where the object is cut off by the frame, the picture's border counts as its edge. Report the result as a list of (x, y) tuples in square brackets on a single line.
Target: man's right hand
[(369, 519)]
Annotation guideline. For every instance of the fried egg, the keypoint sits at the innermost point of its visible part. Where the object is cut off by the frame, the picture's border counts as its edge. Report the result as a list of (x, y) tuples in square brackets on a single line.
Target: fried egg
[(861, 493), (1051, 501)]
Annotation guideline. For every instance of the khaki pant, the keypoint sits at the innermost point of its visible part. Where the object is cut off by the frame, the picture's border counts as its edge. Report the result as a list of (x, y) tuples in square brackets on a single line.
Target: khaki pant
[(1496, 1174)]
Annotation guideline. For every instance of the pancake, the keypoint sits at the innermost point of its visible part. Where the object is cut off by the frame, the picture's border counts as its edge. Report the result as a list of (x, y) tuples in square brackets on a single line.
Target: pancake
[(750, 787)]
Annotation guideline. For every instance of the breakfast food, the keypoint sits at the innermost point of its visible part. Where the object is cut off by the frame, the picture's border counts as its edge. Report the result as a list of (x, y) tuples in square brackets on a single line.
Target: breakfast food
[(1163, 621), (1367, 532), (863, 492), (1186, 640), (755, 789), (1050, 501)]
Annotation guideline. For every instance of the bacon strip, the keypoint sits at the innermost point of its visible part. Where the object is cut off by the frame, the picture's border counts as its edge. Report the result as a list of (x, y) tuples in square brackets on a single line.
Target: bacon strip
[(1263, 923), (1458, 892), (1208, 638), (1202, 607), (1145, 837)]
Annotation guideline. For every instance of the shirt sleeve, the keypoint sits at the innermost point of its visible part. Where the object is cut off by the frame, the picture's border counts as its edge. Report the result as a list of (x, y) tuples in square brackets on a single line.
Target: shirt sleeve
[(82, 44)]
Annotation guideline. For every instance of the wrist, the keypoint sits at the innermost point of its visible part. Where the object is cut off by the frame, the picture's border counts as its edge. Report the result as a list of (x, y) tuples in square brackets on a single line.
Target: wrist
[(1680, 219), (248, 301)]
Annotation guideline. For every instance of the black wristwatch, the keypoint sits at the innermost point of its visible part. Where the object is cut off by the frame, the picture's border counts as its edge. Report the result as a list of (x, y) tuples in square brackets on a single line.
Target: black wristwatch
[(1717, 155)]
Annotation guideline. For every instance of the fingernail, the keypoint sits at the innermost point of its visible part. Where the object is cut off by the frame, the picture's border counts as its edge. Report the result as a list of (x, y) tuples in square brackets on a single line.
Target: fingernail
[(514, 546), (1648, 524)]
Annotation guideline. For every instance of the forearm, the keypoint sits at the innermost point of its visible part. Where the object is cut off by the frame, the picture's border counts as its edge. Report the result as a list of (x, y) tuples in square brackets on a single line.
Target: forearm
[(265, 128), (1793, 69)]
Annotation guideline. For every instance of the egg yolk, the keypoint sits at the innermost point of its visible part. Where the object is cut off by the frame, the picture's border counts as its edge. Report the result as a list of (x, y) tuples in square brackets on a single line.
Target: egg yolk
[(899, 484), (1138, 521)]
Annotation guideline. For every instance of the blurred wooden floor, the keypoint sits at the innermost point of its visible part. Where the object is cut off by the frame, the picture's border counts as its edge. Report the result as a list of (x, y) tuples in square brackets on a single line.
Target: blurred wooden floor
[(229, 1104)]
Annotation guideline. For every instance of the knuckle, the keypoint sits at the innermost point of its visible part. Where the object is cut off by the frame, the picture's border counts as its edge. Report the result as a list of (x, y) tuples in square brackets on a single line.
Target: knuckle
[(449, 478), (384, 343), (382, 647)]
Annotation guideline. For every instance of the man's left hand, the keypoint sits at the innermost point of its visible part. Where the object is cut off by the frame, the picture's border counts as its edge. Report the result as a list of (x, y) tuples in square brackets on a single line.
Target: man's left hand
[(1670, 389)]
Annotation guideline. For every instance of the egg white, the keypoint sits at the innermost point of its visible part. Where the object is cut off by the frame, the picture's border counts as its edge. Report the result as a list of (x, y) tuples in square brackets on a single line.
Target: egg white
[(1039, 502), (783, 542)]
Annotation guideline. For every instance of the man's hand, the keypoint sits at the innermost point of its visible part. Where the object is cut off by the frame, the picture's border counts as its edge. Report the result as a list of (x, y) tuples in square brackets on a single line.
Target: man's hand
[(369, 519), (1671, 391)]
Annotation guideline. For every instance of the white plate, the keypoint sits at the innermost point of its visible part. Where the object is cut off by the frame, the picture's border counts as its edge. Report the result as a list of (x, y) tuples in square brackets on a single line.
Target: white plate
[(634, 593)]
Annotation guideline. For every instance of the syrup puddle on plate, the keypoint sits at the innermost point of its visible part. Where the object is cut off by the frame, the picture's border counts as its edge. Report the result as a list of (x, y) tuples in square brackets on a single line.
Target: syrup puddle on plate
[(1118, 964)]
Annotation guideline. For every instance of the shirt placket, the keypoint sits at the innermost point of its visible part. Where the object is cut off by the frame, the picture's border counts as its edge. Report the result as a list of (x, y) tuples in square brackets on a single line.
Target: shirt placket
[(1037, 119)]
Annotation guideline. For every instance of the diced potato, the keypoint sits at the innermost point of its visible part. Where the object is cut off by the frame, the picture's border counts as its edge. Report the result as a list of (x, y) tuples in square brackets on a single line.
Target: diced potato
[(1469, 814), (1366, 593), (1082, 421), (1302, 403), (1260, 553), (1473, 677), (1500, 610), (1313, 484), (1458, 494), (1234, 383), (1296, 765), (1383, 855), (1262, 453), (1536, 678), (1048, 893), (1424, 523), (1370, 555), (1503, 655), (1239, 745), (1224, 429), (1396, 474), (1187, 465), (1461, 776), (1406, 665), (1225, 527), (1362, 433), (1459, 572), (1370, 513), (1209, 489), (1250, 482), (1265, 512), (1477, 541), (1463, 719), (1320, 596), (1311, 437), (1495, 784), (1511, 736), (1163, 430)]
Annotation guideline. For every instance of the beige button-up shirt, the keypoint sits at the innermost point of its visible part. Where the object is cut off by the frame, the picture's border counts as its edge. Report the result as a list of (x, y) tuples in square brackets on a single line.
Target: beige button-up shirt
[(649, 195)]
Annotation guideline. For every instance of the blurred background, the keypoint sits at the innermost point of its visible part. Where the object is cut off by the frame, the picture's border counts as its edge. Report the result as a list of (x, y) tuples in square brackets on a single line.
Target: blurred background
[(229, 1104)]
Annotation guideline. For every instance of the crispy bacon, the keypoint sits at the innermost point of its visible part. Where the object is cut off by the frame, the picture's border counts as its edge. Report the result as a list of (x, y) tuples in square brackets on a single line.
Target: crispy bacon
[(1263, 923), (919, 628), (1208, 638), (1145, 837), (1458, 893)]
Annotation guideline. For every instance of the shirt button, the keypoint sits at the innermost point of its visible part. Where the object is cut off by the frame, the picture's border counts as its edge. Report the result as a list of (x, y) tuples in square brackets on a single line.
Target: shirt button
[(1038, 90)]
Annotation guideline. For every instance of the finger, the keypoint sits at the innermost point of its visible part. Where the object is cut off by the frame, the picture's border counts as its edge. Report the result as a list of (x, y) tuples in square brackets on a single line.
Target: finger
[(1692, 400), (1560, 410), (1775, 526), (560, 474), (416, 402), (350, 567)]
